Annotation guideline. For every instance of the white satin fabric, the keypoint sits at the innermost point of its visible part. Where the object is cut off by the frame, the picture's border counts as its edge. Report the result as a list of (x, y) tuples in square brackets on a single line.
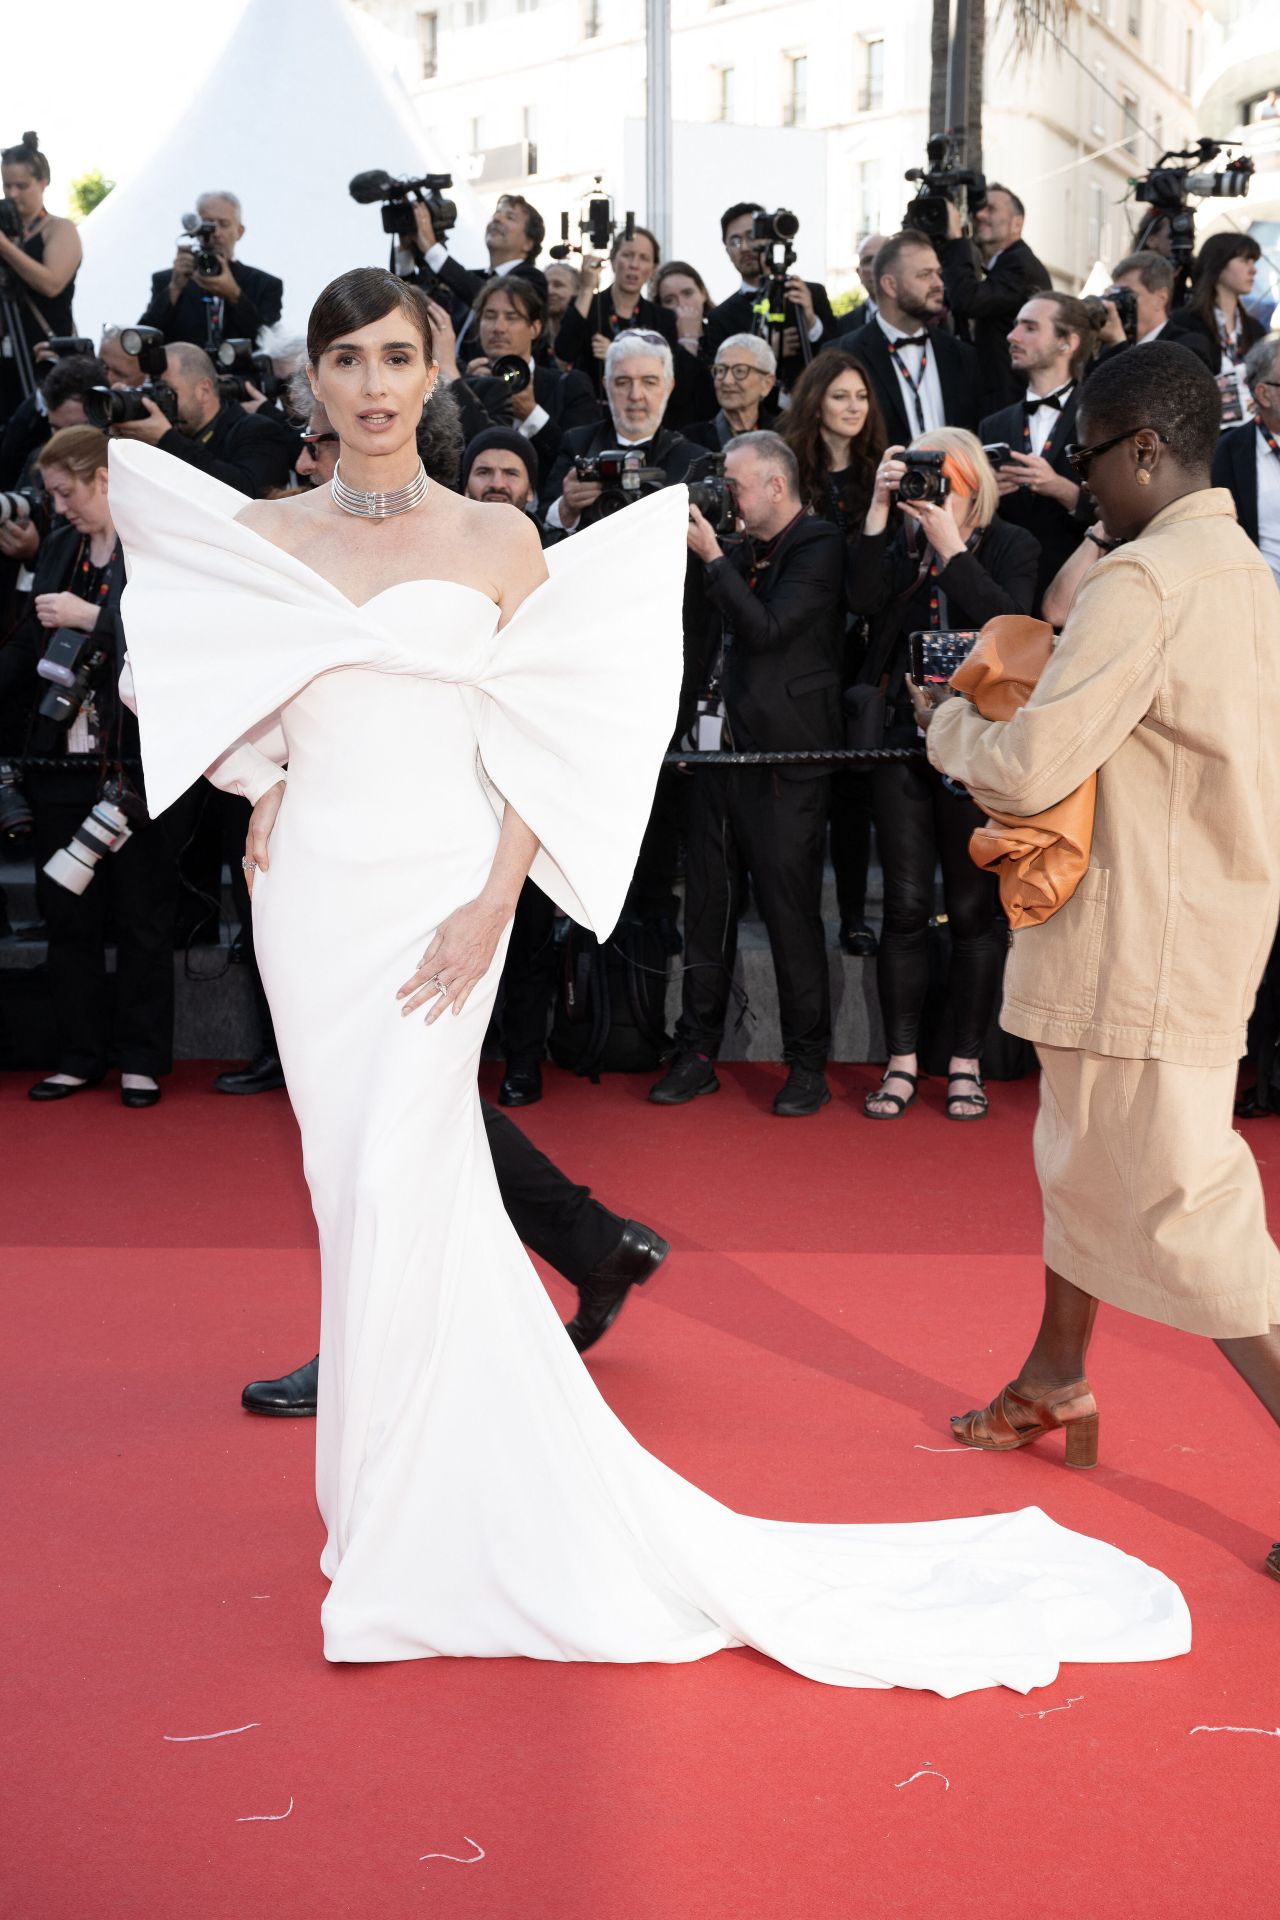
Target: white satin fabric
[(479, 1496)]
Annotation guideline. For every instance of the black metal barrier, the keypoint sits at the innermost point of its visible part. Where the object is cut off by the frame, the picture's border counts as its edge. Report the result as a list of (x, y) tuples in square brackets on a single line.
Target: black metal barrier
[(830, 756)]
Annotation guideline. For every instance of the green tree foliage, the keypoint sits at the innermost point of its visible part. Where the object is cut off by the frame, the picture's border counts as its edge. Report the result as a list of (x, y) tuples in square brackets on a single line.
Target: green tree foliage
[(87, 192)]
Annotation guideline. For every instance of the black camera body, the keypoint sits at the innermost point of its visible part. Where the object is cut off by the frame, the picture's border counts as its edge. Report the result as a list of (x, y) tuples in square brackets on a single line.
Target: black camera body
[(239, 363), (69, 663), (63, 345), (1125, 302), (106, 407), (200, 233), (943, 184), (10, 221), (27, 503), (398, 197), (511, 372), (622, 474), (924, 482), (713, 493), (16, 819)]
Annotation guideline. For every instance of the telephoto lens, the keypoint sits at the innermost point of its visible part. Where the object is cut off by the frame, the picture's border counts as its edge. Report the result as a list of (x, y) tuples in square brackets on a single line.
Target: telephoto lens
[(15, 813), (104, 829)]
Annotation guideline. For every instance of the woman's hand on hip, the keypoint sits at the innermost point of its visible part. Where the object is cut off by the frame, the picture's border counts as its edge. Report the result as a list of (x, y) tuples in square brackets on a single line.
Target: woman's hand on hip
[(261, 821), (460, 954)]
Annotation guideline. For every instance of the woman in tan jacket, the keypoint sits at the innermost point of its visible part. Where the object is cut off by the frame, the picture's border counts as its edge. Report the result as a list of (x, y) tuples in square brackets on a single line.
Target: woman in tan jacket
[(1166, 682)]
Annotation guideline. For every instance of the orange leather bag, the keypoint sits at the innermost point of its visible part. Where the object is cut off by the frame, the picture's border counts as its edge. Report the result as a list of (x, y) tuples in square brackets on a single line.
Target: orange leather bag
[(1040, 858)]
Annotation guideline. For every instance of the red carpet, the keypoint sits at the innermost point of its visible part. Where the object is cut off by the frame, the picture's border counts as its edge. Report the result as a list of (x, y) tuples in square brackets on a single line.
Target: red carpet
[(836, 1289)]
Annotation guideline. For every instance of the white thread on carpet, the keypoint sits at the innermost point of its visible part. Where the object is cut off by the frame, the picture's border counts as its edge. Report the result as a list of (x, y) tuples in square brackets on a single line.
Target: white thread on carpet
[(242, 1817), (1268, 1733), (1074, 1701), (926, 1772), (475, 1861), (183, 1737), (918, 1448)]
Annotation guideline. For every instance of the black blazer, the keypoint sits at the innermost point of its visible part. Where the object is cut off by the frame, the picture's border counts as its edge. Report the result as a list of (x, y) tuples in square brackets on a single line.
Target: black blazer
[(785, 642), (957, 366), (261, 298), (1195, 341), (566, 397), (250, 451), (1235, 467), (1191, 330), (985, 305), (573, 342), (735, 315), (853, 321), (21, 688), (881, 575), (1058, 530), (670, 451)]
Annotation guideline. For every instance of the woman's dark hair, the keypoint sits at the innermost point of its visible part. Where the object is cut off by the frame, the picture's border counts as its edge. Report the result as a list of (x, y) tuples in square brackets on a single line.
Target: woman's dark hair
[(358, 298), (682, 266), (621, 237), (522, 293), (1161, 386), (27, 154), (801, 428), (441, 439), (1217, 253), (535, 227)]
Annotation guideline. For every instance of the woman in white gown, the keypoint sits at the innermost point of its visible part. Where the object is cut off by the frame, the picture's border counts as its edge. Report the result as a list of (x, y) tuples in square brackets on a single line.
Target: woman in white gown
[(418, 673)]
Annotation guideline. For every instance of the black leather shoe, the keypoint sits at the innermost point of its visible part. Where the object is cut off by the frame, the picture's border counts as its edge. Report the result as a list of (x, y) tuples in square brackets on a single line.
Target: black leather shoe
[(806, 1092), (263, 1075), (521, 1084), (139, 1096), (637, 1256), (293, 1396), (688, 1075), (59, 1090), (856, 938)]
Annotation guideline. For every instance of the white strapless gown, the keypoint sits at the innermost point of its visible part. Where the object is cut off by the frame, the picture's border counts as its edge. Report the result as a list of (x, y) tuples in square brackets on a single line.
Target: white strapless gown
[(478, 1494)]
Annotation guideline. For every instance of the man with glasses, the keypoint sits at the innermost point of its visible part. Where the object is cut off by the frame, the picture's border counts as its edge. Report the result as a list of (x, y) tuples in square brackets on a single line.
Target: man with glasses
[(745, 375), (1247, 459), (735, 315)]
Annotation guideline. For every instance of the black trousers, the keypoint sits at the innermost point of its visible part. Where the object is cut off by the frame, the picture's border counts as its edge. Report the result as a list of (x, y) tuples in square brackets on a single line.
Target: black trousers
[(652, 893), (555, 1218), (851, 842), (919, 826), (777, 828), (134, 893), (529, 977)]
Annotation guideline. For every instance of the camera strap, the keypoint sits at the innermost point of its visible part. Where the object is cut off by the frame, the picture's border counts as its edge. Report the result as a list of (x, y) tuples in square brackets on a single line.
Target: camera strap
[(1269, 438), (917, 384)]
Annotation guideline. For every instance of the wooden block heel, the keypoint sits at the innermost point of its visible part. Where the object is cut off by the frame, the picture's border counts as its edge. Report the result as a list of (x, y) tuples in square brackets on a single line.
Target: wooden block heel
[(1012, 1420), (1082, 1441)]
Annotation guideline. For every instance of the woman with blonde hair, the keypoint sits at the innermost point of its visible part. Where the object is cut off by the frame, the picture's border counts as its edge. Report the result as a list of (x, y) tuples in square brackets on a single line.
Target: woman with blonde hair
[(920, 565)]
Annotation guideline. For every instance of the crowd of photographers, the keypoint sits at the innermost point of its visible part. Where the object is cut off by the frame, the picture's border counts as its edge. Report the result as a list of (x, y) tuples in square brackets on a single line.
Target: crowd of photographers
[(859, 483)]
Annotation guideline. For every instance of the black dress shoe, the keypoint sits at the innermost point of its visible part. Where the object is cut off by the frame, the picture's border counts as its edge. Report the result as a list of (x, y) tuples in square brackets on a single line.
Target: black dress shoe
[(805, 1092), (292, 1396), (521, 1084), (139, 1096), (59, 1090), (263, 1075), (638, 1254), (856, 938), (1257, 1101), (688, 1075)]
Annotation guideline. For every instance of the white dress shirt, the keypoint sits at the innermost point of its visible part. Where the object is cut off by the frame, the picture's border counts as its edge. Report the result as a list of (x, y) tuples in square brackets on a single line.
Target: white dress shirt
[(1042, 422), (1268, 504), (931, 388), (539, 417)]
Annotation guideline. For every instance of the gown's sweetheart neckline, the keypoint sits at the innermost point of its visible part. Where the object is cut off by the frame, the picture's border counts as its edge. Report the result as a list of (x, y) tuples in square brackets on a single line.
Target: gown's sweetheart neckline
[(359, 606)]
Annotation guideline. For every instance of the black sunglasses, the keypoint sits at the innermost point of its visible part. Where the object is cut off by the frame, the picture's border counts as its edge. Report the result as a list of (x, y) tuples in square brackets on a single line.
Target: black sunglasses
[(313, 440), (1080, 458)]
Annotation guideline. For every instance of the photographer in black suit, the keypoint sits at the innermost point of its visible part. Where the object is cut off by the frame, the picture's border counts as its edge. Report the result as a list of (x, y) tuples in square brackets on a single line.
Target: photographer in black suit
[(510, 317), (923, 377), (775, 666), (638, 378), (233, 303), (1049, 343), (737, 313), (1149, 277), (988, 280), (1247, 458), (513, 240), (250, 451)]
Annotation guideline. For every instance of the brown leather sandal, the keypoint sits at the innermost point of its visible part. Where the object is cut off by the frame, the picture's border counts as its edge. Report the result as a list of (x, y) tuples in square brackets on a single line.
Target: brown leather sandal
[(1271, 1564), (1011, 1420)]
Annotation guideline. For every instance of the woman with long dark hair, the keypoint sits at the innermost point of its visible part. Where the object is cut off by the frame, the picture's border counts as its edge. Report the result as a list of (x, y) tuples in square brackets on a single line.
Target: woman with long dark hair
[(1226, 267), (452, 722), (42, 264)]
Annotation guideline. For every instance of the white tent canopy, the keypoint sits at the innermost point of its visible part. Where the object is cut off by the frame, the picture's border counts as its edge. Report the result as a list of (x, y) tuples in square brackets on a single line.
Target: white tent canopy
[(294, 107)]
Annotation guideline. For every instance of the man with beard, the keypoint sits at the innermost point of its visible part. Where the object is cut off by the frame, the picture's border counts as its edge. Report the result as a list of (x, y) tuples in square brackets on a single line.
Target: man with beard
[(924, 378)]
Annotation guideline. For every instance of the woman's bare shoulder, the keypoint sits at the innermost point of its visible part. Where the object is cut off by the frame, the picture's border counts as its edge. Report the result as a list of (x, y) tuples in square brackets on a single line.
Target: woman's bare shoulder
[(281, 520)]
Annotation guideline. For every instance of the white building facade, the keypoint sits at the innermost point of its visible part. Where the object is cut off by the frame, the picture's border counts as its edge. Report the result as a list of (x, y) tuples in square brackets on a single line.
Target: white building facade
[(820, 105)]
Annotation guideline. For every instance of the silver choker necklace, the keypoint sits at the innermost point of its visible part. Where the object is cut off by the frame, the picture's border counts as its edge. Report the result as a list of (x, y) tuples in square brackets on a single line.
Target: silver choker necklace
[(379, 506)]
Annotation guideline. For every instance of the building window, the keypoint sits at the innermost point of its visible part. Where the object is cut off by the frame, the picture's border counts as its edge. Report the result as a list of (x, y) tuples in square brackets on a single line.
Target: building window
[(1099, 107), (526, 6), (473, 12), (590, 19), (1129, 123), (1135, 19), (428, 45), (724, 93), (871, 86), (869, 196), (1157, 135), (795, 108), (530, 128)]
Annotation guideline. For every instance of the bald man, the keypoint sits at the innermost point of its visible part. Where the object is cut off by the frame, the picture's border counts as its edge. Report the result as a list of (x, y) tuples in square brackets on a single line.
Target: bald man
[(253, 452)]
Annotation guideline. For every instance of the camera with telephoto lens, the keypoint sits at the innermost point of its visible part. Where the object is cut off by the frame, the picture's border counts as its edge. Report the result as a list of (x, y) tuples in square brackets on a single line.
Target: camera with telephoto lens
[(69, 663), (924, 481), (398, 197), (511, 372), (935, 656), (15, 812), (110, 821), (999, 453), (623, 475), (200, 233), (942, 184), (713, 493), (1125, 302), (111, 406), (27, 503), (239, 366)]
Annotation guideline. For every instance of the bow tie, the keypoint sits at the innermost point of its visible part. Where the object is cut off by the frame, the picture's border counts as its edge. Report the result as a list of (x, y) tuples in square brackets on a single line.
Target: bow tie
[(910, 340), (1054, 400)]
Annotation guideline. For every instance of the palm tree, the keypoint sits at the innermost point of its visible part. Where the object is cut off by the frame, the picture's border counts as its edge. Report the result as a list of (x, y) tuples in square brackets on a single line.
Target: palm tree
[(1031, 19)]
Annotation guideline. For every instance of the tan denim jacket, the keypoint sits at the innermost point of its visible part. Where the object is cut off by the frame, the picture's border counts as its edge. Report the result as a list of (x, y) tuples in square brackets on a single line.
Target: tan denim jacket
[(1166, 680)]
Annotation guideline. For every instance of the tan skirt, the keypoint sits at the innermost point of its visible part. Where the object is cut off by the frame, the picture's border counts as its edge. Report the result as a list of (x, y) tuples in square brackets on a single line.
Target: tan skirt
[(1152, 1200)]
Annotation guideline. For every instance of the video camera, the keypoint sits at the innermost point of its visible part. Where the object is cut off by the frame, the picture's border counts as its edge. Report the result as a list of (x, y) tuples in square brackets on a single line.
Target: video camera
[(713, 493), (622, 474), (399, 196), (111, 406), (596, 221), (771, 311), (943, 184), (238, 365), (1166, 190)]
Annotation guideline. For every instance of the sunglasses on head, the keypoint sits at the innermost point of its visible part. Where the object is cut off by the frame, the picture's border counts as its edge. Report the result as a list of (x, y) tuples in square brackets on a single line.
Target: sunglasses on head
[(1080, 458)]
